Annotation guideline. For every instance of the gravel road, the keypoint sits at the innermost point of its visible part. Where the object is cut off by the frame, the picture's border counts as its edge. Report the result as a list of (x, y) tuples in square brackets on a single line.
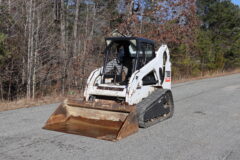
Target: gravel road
[(206, 125)]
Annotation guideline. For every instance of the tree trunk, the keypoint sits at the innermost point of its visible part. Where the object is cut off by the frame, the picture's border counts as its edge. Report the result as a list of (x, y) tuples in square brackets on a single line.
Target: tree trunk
[(35, 52), (86, 36), (93, 20), (24, 60), (75, 29), (63, 45), (85, 48), (9, 6), (10, 83), (32, 44), (1, 90), (29, 75), (9, 89)]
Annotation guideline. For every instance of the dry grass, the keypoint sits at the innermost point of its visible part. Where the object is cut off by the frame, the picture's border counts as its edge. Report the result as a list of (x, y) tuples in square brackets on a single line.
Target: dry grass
[(207, 75), (24, 103)]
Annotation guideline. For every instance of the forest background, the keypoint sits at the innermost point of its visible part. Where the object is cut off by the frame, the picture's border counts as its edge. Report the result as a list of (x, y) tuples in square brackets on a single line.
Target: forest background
[(49, 47)]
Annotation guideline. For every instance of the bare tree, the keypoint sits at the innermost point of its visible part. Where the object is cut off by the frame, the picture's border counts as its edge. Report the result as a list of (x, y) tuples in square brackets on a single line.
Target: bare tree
[(75, 29), (63, 45), (30, 47)]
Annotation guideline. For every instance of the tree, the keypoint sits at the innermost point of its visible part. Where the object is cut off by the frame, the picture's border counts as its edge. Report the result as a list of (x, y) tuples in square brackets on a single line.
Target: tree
[(53, 45), (221, 20)]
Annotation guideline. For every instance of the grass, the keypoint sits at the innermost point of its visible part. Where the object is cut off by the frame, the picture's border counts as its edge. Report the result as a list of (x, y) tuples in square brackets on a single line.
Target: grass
[(207, 75), (25, 103)]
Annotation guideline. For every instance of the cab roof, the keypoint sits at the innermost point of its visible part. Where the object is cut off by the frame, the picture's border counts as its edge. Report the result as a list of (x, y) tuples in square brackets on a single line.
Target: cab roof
[(130, 38)]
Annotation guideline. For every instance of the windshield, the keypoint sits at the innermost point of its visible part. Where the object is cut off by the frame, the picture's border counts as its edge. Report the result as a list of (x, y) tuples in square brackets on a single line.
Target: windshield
[(119, 56)]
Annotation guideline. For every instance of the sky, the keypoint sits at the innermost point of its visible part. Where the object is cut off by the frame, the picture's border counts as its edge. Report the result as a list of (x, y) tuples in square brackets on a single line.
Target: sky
[(236, 2)]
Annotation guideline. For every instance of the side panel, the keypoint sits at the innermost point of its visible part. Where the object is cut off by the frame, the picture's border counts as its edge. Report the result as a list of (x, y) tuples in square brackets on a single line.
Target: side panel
[(136, 90), (94, 76), (166, 84)]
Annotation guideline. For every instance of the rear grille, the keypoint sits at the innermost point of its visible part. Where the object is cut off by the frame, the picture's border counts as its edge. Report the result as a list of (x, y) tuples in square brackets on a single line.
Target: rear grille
[(110, 88)]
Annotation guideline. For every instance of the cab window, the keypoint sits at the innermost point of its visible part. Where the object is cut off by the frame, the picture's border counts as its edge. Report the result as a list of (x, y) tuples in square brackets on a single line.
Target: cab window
[(148, 50)]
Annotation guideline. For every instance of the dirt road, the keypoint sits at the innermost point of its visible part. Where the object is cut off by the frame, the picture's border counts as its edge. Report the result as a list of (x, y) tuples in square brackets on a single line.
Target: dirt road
[(206, 125)]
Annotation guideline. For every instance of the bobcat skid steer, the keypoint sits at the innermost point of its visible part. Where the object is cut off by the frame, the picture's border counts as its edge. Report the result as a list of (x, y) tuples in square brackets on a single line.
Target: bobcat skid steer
[(132, 89)]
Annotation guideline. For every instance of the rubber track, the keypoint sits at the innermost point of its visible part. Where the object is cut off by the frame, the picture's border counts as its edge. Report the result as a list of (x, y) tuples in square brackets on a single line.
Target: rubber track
[(143, 106)]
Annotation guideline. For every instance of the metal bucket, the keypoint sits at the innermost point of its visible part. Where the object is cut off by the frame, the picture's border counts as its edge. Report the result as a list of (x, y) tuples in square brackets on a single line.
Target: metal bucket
[(107, 121)]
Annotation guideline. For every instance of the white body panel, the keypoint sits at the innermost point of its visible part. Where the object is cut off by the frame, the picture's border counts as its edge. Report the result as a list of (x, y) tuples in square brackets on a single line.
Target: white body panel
[(135, 91)]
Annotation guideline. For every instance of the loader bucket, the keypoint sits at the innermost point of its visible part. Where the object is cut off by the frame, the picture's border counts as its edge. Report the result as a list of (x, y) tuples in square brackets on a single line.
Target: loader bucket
[(107, 121)]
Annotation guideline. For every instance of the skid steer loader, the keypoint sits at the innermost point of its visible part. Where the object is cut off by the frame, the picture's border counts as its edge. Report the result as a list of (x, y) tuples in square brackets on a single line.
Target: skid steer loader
[(132, 89)]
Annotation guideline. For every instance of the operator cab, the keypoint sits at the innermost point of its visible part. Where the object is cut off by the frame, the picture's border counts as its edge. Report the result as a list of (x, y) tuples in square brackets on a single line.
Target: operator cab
[(123, 56)]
